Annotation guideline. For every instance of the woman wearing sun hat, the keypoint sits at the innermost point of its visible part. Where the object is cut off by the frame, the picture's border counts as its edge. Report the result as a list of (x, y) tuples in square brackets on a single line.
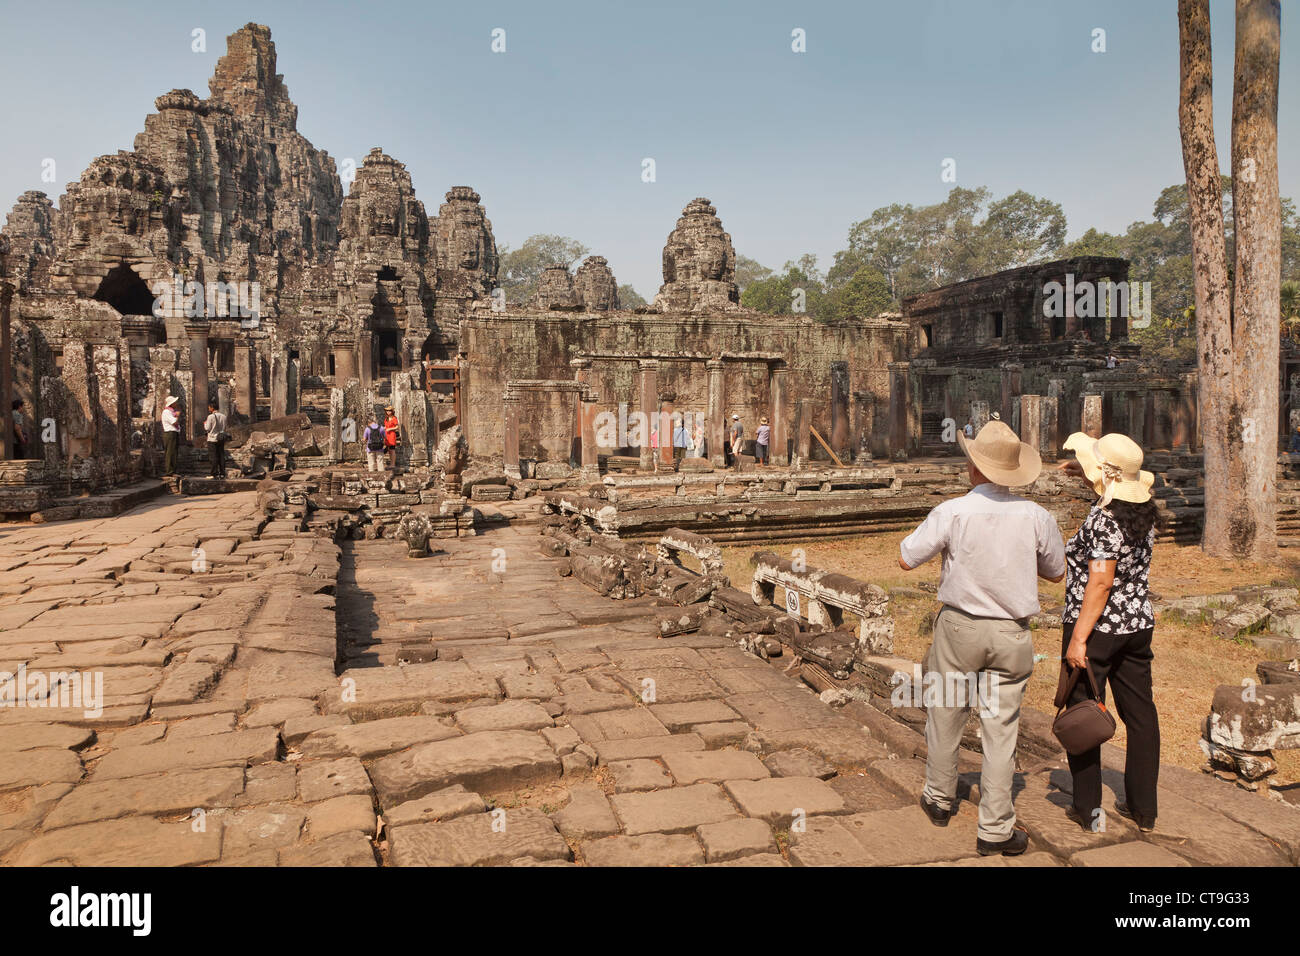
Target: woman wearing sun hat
[(1108, 619)]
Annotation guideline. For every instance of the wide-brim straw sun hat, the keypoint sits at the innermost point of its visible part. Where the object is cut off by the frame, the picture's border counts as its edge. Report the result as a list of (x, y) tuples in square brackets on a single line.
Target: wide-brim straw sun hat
[(1113, 463), (1001, 456)]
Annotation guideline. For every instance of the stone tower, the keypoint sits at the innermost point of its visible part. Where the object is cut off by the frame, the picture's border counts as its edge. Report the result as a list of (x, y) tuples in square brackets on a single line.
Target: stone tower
[(555, 289), (699, 264), (595, 285)]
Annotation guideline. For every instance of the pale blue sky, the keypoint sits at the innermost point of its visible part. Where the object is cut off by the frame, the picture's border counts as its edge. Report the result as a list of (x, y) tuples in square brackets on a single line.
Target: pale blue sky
[(792, 148)]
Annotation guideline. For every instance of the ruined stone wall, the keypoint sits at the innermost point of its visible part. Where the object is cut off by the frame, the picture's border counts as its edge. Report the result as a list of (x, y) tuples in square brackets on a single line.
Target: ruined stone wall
[(528, 345), (962, 318)]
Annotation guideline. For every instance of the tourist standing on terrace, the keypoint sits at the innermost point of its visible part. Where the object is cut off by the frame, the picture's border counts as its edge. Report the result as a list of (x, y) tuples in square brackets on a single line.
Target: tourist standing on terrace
[(374, 440), (392, 436), (20, 430), (737, 433), (995, 546), (215, 426), (1109, 622), (761, 439), (171, 423)]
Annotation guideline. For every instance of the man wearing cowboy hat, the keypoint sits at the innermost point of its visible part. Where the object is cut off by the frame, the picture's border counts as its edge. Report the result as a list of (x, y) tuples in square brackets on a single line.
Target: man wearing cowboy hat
[(995, 546), (171, 423)]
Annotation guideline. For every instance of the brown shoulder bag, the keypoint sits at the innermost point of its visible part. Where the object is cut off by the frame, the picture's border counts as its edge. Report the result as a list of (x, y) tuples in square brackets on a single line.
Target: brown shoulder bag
[(1085, 725)]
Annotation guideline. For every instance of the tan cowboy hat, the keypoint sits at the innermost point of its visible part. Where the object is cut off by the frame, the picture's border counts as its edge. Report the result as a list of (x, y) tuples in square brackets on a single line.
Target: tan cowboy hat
[(1113, 463), (1001, 456), (762, 421)]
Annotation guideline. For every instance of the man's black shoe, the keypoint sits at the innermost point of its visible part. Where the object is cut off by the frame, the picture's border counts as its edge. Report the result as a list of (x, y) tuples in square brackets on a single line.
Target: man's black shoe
[(938, 816), (1078, 817), (1122, 809), (1014, 845)]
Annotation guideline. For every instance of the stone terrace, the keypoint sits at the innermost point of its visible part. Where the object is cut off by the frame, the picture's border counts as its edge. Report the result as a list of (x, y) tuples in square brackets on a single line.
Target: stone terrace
[(274, 699)]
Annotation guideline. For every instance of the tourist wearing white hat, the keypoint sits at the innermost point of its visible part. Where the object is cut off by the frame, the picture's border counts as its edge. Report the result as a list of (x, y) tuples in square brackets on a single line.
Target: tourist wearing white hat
[(1108, 621), (737, 434), (171, 424), (995, 547), (762, 438)]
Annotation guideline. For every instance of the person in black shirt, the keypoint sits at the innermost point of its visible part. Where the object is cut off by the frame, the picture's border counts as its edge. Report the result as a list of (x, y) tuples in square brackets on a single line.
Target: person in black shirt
[(1109, 622)]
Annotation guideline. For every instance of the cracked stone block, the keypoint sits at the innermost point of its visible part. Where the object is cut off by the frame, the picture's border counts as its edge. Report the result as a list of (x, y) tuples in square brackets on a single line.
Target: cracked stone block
[(714, 766), (485, 762), (483, 839), (446, 804), (676, 810), (508, 715), (587, 816), (778, 800)]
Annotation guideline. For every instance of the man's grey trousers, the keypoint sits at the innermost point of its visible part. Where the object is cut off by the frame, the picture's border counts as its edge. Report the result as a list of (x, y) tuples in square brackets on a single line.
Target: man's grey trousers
[(983, 663)]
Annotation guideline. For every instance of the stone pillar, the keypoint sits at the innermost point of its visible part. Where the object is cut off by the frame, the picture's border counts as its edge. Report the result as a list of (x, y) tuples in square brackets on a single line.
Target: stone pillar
[(864, 416), (717, 429), (279, 383), (1010, 390), (510, 414), (1091, 419), (344, 347), (336, 424), (803, 431), (581, 374), (1056, 390), (648, 402), (245, 380), (779, 415), (223, 400), (1031, 420), (900, 395), (839, 436), (1162, 422), (198, 336), (82, 408), (113, 440), (365, 358), (665, 426), (979, 415), (1187, 405), (1048, 442), (1137, 418), (294, 391), (588, 410)]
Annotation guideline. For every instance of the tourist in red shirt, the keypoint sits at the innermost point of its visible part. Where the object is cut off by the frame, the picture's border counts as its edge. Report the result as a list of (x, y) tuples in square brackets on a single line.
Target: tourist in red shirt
[(391, 436)]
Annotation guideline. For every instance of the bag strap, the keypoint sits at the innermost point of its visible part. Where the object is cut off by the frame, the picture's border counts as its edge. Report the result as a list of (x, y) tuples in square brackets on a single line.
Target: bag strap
[(1075, 674)]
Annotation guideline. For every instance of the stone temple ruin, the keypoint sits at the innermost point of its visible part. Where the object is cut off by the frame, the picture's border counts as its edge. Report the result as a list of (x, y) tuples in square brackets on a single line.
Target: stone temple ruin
[(221, 260)]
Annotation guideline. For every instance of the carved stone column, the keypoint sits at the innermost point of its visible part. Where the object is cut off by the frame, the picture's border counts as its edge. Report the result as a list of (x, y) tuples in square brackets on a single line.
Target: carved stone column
[(648, 394), (780, 447), (717, 429)]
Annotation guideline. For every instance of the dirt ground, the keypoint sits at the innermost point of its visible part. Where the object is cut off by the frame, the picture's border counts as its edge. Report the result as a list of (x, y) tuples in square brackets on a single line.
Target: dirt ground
[(1189, 661)]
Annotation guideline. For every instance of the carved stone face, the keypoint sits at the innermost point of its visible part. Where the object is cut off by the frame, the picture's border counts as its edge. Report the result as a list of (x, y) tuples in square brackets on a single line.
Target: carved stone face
[(711, 260), (468, 239)]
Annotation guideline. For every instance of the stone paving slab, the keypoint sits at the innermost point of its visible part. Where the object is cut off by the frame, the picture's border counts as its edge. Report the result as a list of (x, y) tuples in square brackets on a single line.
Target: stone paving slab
[(481, 839), (676, 810), (485, 762)]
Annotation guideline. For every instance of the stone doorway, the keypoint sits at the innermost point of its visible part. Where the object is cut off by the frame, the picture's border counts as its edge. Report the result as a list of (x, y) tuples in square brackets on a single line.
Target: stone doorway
[(125, 291)]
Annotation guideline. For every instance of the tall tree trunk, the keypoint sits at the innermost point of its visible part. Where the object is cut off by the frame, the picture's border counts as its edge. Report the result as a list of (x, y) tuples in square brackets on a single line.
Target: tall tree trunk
[(1209, 267), (1257, 227)]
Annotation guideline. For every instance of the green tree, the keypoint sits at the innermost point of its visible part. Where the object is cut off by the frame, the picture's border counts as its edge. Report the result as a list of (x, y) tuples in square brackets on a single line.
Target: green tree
[(629, 298), (748, 271), (865, 296), (521, 268), (800, 288)]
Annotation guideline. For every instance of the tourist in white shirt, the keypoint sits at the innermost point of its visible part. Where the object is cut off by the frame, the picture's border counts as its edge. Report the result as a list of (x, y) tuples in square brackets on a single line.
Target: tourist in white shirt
[(995, 546), (215, 426), (171, 423)]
